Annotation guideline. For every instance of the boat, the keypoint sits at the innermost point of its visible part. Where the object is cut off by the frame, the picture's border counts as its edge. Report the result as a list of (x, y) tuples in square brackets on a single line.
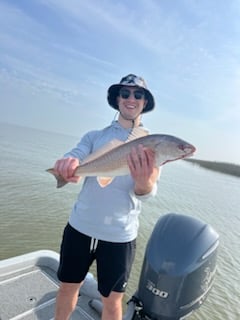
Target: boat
[(177, 274), (29, 284)]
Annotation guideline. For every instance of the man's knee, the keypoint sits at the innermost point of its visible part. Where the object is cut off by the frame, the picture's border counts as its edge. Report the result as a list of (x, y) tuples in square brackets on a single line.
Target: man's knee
[(113, 303), (66, 300), (69, 288)]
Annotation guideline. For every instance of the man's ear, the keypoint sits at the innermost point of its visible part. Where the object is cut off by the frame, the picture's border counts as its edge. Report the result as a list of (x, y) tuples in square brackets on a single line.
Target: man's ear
[(145, 103)]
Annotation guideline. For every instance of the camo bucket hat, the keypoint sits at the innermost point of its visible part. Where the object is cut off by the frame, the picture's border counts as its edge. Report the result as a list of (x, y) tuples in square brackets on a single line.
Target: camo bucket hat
[(130, 80)]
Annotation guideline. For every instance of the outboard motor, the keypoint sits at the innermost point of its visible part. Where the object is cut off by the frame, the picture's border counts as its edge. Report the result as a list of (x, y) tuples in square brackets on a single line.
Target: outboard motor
[(178, 269)]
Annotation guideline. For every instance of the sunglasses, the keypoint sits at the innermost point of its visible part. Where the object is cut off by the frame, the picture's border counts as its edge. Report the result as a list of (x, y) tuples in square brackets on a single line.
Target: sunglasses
[(125, 94)]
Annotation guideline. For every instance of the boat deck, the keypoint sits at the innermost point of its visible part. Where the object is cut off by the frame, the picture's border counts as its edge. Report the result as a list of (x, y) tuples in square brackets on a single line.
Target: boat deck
[(28, 288)]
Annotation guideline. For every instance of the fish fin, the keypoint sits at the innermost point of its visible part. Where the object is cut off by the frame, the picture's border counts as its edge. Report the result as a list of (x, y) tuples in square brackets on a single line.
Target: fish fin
[(137, 132), (60, 181), (106, 148), (104, 181)]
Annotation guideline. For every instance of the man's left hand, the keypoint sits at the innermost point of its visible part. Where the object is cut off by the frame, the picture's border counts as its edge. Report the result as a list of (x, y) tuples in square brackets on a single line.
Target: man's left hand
[(141, 162)]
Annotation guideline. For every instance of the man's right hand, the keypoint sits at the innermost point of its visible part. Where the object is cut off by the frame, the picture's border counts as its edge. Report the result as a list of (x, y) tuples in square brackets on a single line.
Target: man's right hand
[(66, 168)]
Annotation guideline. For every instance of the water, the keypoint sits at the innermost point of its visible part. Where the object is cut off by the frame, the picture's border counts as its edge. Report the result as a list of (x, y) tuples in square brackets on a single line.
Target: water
[(33, 212)]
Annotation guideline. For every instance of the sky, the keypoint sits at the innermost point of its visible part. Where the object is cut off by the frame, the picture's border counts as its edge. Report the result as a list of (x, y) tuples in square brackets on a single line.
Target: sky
[(59, 57)]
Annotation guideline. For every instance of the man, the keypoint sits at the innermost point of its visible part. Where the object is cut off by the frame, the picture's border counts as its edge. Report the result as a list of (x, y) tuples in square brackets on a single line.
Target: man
[(103, 224)]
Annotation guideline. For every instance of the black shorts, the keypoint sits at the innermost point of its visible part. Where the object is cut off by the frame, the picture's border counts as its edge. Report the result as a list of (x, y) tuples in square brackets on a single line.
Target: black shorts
[(114, 260)]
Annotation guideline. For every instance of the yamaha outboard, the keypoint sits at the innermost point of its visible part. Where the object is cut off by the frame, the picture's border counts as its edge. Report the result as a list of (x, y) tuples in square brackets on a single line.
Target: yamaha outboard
[(177, 271), (178, 268)]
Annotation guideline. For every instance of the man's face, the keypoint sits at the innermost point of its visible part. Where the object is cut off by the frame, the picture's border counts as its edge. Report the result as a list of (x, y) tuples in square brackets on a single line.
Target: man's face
[(131, 102)]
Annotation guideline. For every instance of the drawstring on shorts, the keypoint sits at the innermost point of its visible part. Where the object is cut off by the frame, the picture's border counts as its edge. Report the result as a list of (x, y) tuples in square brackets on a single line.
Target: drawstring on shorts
[(93, 245)]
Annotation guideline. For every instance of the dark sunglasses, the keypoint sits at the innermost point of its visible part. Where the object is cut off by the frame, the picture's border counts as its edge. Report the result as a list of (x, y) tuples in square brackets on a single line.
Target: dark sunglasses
[(125, 94)]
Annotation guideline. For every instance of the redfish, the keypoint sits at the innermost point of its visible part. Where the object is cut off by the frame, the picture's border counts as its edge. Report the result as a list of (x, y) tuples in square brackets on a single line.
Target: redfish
[(111, 160)]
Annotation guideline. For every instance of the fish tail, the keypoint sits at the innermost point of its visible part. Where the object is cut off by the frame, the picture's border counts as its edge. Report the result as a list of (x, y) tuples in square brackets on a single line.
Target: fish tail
[(60, 180)]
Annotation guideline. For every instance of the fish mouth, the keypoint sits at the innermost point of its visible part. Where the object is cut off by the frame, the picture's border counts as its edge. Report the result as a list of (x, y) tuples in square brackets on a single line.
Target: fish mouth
[(187, 149)]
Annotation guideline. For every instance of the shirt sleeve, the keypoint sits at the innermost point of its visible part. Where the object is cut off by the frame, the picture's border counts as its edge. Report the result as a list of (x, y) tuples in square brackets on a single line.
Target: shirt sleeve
[(83, 148), (153, 191)]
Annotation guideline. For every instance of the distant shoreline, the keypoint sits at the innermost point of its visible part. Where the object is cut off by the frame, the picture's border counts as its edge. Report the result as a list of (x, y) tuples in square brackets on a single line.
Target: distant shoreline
[(223, 167)]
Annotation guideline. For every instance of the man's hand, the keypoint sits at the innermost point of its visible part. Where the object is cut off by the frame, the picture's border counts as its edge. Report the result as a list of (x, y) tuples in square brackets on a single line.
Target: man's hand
[(141, 162), (66, 167)]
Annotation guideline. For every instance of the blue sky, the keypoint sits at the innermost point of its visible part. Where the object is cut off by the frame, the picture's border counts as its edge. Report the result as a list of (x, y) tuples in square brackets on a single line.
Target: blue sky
[(58, 57)]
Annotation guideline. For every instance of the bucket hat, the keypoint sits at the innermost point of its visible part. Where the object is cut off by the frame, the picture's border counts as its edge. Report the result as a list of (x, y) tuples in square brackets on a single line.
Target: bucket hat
[(130, 80)]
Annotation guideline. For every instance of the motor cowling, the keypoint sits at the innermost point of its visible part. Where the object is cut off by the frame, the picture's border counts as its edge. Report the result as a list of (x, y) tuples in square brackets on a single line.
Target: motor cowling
[(178, 267)]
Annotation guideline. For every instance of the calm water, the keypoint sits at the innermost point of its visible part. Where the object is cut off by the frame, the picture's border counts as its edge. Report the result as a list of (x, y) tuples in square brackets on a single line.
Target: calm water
[(33, 212)]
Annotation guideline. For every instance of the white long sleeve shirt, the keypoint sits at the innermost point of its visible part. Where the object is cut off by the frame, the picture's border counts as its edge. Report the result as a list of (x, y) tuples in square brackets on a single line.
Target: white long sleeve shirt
[(110, 213)]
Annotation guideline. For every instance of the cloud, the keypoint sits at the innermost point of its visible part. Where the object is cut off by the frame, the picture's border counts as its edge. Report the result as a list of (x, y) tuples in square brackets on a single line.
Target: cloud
[(31, 57), (134, 25)]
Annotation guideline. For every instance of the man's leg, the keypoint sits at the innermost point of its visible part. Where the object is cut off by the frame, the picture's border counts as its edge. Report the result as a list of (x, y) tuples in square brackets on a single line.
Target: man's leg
[(112, 306), (114, 262), (66, 300), (75, 259)]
